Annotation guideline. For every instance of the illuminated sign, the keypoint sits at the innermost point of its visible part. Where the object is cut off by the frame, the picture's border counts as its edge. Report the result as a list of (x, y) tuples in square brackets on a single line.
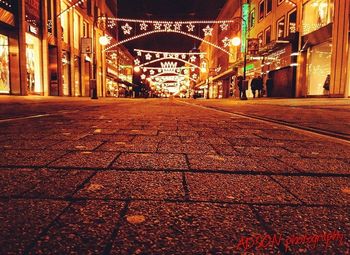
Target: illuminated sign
[(245, 16)]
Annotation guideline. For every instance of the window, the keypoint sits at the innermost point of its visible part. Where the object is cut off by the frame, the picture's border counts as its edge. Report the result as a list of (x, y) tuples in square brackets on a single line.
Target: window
[(292, 22), (4, 65), (261, 9), (279, 2), (76, 30), (261, 39), (268, 35), (268, 6), (252, 18), (281, 24), (317, 14), (85, 29)]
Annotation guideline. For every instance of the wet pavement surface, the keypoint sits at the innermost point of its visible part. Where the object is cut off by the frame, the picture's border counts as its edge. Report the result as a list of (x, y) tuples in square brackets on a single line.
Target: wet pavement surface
[(162, 176)]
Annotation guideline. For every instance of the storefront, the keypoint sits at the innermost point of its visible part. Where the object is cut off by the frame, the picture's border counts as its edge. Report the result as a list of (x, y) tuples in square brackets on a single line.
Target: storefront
[(277, 66), (317, 32)]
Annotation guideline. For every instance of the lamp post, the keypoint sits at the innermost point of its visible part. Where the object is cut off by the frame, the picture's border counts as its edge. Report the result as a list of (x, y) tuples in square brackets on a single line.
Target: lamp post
[(236, 41)]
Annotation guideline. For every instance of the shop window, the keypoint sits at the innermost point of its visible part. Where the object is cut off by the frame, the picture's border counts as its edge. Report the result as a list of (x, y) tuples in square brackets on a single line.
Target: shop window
[(281, 23), (268, 35), (85, 29), (268, 7), (65, 73), (292, 22), (279, 2), (261, 9), (261, 39), (252, 18), (319, 66), (4, 65), (34, 72), (317, 14)]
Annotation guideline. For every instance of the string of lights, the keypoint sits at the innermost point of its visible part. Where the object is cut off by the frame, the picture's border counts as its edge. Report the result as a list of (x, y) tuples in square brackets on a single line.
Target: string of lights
[(107, 49), (170, 22), (170, 53)]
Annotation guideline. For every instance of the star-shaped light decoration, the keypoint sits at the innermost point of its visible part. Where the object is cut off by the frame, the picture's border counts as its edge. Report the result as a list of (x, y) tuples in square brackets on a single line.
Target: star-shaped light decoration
[(151, 72), (165, 55), (194, 76), (177, 26), (171, 55), (148, 56), (186, 71), (208, 31), (114, 55), (226, 41), (218, 69), (223, 26), (167, 26), (143, 76), (144, 69), (143, 26), (193, 58), (157, 26), (193, 69), (126, 29), (183, 56), (190, 27), (176, 55), (157, 55), (139, 53), (137, 62), (201, 56)]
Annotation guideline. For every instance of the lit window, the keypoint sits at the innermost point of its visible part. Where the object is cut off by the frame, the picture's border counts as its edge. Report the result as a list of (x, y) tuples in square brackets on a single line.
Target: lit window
[(280, 28), (261, 9)]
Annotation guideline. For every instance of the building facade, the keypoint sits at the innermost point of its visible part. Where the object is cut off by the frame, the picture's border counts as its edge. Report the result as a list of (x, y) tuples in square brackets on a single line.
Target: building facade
[(52, 48), (300, 45)]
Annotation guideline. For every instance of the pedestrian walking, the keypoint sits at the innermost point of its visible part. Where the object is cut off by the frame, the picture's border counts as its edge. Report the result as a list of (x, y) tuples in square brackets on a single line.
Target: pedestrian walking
[(260, 86), (254, 86), (326, 85)]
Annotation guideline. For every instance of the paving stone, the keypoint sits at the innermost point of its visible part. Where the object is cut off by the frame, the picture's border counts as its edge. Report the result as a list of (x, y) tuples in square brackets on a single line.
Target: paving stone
[(23, 220), (318, 165), (257, 142), (318, 190), (264, 151), (236, 188), (76, 145), (108, 138), (128, 147), (85, 159), (134, 185), (186, 148), (224, 149), (177, 228), (293, 222), (57, 183), (83, 229), (226, 163), (26, 144), (151, 161), (14, 182), (205, 140), (285, 135), (28, 157)]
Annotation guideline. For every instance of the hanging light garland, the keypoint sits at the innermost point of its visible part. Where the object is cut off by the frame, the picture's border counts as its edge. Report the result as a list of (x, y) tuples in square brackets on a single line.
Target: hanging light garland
[(147, 27)]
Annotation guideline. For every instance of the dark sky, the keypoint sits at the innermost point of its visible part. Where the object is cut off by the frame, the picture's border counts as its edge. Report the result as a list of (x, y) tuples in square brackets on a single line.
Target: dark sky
[(167, 10)]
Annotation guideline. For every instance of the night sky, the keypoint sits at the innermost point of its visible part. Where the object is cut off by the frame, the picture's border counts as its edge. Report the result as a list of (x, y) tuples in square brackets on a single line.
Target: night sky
[(167, 10)]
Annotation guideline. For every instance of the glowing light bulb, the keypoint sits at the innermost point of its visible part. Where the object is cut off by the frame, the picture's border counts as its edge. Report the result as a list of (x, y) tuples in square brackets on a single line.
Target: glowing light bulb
[(236, 41)]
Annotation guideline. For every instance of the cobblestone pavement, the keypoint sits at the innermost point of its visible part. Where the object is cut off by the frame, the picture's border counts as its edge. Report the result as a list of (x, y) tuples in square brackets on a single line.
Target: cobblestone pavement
[(163, 177)]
